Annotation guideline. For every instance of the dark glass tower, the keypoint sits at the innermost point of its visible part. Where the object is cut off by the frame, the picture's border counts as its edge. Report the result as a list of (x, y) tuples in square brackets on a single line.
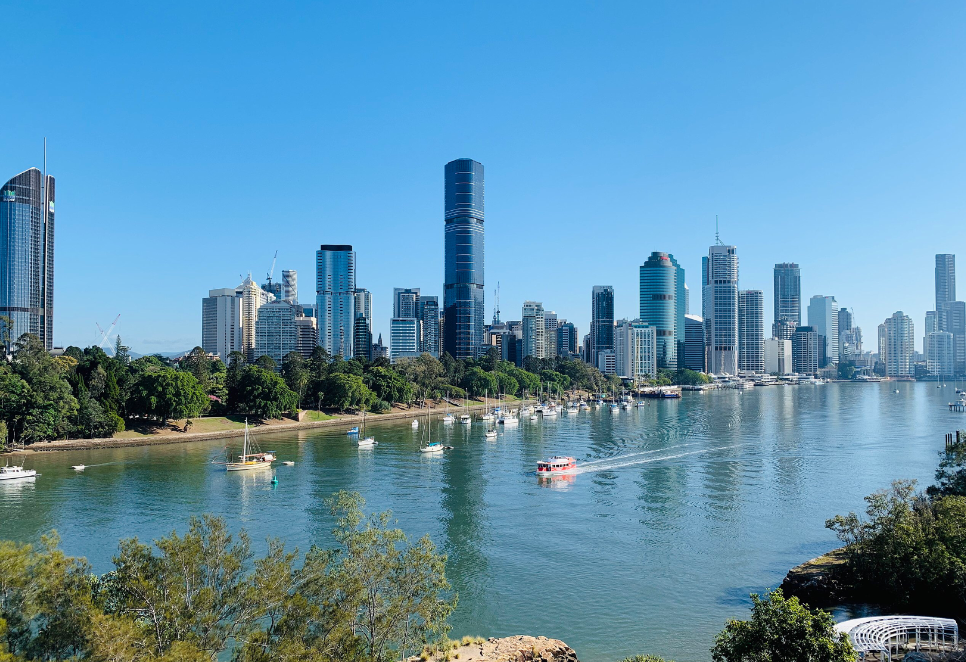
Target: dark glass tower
[(788, 299), (463, 285), (27, 255)]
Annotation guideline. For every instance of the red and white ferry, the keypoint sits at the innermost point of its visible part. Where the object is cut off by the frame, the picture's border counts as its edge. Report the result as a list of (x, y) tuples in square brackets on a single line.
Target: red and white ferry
[(556, 465)]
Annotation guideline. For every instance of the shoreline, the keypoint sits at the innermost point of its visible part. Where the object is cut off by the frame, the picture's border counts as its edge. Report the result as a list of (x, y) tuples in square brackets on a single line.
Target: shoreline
[(188, 437)]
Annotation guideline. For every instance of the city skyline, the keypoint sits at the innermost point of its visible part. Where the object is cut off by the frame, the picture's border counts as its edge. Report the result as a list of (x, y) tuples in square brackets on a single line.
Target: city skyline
[(745, 137)]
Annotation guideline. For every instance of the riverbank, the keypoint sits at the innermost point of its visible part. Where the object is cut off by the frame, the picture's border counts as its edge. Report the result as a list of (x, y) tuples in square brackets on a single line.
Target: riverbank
[(821, 581), (236, 429)]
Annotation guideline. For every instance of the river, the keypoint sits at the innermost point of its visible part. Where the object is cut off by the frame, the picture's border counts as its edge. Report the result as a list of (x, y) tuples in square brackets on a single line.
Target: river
[(680, 510)]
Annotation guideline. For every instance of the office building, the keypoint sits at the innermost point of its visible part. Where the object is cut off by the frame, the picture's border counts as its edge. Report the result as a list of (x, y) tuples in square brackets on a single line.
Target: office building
[(405, 302), (687, 300), (635, 351), (662, 305), (694, 345), (567, 344), (290, 285), (956, 325), (751, 331), (463, 314), (403, 338), (276, 333), (534, 330), (607, 361), (550, 334), (931, 326), (430, 323), (778, 356), (945, 286), (899, 345), (846, 339), (307, 332), (601, 321), (335, 293), (221, 326), (788, 299), (252, 298), (823, 316), (719, 301), (805, 350), (363, 303), (379, 351), (940, 360), (27, 255), (362, 338)]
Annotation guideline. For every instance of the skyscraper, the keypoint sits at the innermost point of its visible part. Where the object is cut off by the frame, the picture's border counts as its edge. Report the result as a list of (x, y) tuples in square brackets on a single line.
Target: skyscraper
[(290, 285), (405, 302), (252, 298), (403, 338), (335, 287), (463, 313), (945, 285), (663, 306), (751, 330), (601, 321), (805, 350), (221, 326), (429, 319), (550, 335), (534, 330), (719, 271), (823, 316), (363, 303), (635, 350), (899, 345), (27, 255), (788, 299), (567, 343), (694, 345), (276, 333)]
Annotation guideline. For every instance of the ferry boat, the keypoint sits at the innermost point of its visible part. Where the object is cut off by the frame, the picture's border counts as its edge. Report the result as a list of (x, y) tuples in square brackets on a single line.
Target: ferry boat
[(16, 472), (558, 464)]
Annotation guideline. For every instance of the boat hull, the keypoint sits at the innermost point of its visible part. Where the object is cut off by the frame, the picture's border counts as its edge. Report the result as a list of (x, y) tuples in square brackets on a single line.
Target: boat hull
[(255, 466)]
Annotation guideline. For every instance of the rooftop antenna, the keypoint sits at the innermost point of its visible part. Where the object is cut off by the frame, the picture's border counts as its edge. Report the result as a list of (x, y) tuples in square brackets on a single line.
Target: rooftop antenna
[(717, 235)]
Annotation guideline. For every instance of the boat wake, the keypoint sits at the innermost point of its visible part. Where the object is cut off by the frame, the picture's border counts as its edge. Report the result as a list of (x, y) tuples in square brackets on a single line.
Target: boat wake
[(644, 457)]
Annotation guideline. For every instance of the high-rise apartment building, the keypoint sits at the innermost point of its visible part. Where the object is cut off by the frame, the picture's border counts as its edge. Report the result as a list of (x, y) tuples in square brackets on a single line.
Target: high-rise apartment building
[(788, 299), (823, 316), (335, 294), (221, 323), (307, 334), (362, 338), (846, 339), (534, 330), (751, 331), (27, 255), (956, 325), (900, 343), (252, 298), (601, 321), (403, 338), (405, 302), (567, 343), (635, 350), (290, 285), (945, 285), (663, 306), (806, 351), (276, 333), (463, 314), (429, 320), (550, 333), (719, 276), (363, 303), (940, 360), (694, 345)]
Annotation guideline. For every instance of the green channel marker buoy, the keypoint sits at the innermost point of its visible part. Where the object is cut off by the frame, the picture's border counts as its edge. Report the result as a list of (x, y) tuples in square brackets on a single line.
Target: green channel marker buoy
[(274, 480)]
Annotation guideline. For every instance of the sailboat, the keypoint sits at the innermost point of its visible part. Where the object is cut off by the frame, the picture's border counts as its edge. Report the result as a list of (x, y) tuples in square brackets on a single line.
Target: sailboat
[(364, 441), (431, 446), (465, 417), (448, 419), (250, 461), (487, 414)]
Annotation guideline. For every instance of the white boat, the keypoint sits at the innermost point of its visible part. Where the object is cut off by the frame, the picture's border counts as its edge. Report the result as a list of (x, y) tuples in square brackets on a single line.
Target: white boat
[(288, 463), (449, 419), (353, 430), (490, 434), (364, 441), (79, 467), (508, 421), (431, 446), (415, 424), (465, 419), (251, 461), (16, 472), (572, 409)]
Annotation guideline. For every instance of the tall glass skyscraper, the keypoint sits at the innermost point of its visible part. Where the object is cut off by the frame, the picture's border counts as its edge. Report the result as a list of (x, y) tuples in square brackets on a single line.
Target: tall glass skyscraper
[(788, 299), (719, 301), (751, 331), (335, 295), (663, 306), (601, 321), (27, 255), (463, 285)]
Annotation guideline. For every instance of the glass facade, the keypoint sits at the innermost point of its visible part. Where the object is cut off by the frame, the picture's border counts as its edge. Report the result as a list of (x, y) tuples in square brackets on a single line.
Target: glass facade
[(751, 331), (27, 255), (601, 321), (788, 299), (463, 317), (335, 296), (720, 307), (663, 306)]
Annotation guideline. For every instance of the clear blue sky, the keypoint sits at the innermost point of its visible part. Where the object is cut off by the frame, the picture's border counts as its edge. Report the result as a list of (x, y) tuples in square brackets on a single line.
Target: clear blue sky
[(192, 141)]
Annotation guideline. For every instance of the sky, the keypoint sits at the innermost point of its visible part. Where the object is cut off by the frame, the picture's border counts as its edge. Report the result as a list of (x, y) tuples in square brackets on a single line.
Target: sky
[(191, 141)]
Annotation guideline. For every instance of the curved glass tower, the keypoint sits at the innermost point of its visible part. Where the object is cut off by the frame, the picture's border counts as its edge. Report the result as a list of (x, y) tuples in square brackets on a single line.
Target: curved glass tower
[(663, 306), (463, 284), (27, 255)]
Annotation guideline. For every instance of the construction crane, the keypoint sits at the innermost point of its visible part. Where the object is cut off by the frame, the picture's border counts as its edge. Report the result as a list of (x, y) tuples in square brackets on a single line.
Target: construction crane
[(106, 335), (271, 271)]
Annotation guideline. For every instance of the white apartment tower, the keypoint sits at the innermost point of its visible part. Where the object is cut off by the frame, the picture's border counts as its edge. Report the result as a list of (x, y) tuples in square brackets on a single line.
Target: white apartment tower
[(252, 297), (221, 325), (534, 330)]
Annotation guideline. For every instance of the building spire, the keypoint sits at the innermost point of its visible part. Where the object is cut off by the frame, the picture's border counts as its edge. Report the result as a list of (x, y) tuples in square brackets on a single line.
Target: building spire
[(717, 235)]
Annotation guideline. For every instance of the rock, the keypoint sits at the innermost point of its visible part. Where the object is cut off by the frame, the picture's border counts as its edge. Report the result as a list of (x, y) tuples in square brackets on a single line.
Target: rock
[(520, 648), (819, 582)]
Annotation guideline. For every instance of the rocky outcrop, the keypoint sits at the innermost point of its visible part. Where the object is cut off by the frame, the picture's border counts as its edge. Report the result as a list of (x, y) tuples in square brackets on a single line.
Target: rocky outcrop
[(510, 649), (819, 582)]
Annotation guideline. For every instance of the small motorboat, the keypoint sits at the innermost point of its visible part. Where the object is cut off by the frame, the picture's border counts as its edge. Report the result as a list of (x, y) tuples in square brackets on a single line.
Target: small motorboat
[(368, 442), (288, 463), (490, 434), (449, 419), (354, 430), (465, 419), (556, 465), (15, 472), (79, 467), (415, 424)]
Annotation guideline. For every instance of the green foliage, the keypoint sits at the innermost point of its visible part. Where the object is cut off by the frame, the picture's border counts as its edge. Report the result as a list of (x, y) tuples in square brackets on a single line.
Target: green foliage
[(380, 407), (261, 393), (346, 391), (478, 382), (690, 378), (296, 374), (506, 384), (527, 381), (782, 629), (165, 393), (846, 370), (266, 362), (907, 552), (951, 474), (389, 385)]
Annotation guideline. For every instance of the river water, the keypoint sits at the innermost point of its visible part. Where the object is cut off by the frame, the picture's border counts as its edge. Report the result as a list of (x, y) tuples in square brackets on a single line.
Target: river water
[(680, 510)]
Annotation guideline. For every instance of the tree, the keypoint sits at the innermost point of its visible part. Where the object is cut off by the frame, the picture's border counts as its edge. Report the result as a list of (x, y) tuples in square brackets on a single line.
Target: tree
[(262, 393), (50, 405), (782, 629), (296, 374), (266, 362), (479, 382), (198, 364), (389, 385), (846, 370), (528, 381), (394, 591), (951, 474), (506, 384), (166, 393), (344, 391)]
